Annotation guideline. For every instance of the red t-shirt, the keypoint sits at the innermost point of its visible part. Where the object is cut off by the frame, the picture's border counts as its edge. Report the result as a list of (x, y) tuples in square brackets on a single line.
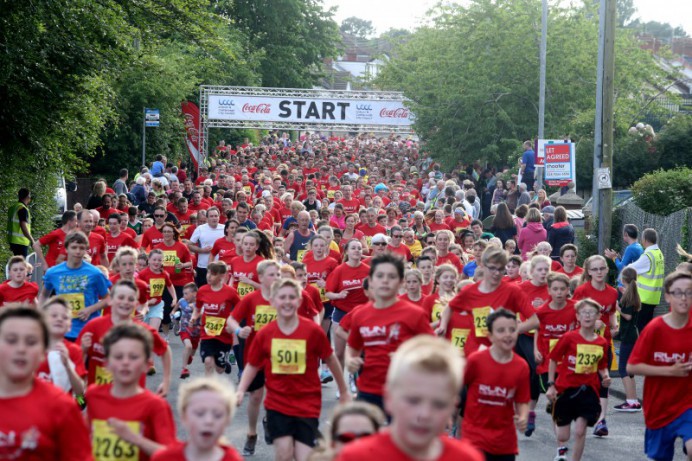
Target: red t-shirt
[(106, 212), (176, 452), (665, 398), (420, 302), (479, 305), (113, 243), (43, 425), (25, 293), (379, 332), (401, 250), (575, 273), (96, 356), (434, 227), (225, 249), (55, 242), (380, 446), (143, 288), (459, 330), (450, 258), (553, 325), (319, 270), (579, 361), (455, 225), (350, 206), (75, 353), (493, 388), (432, 306), (370, 232), (148, 415), (157, 283), (345, 277), (97, 246), (215, 308), (180, 251), (240, 268), (290, 364), (427, 289), (151, 238), (536, 296), (607, 298), (130, 231), (516, 279)]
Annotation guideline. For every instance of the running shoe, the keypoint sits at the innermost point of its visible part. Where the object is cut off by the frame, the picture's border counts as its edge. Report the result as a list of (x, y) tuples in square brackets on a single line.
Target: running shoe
[(250, 443), (231, 358), (352, 384), (601, 429), (152, 371), (326, 376), (549, 407), (265, 426), (531, 425), (185, 373), (629, 407), (561, 454)]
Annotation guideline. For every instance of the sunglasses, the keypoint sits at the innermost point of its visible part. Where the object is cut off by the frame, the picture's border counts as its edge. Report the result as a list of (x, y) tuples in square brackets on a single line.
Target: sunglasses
[(348, 437), (159, 215), (380, 243)]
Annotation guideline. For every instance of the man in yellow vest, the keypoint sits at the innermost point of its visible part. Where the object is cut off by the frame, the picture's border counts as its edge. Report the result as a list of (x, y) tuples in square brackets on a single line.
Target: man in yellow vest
[(651, 270), (19, 225)]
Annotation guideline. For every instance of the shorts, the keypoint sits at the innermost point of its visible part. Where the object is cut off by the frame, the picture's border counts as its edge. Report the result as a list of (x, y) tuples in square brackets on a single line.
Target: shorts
[(215, 348), (577, 402), (659, 444), (167, 307), (257, 383), (155, 312), (337, 315), (328, 310), (625, 352), (463, 394), (193, 339), (303, 430), (492, 457), (372, 399)]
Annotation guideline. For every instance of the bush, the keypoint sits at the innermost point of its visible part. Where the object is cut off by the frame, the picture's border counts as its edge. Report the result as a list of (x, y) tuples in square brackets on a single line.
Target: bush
[(664, 191)]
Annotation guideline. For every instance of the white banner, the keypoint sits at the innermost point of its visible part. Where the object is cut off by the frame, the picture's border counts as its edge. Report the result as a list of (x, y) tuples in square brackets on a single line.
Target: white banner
[(309, 110)]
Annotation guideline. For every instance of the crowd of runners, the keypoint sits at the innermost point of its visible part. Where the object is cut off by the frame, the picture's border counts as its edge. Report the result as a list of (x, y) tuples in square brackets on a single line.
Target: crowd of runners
[(441, 304)]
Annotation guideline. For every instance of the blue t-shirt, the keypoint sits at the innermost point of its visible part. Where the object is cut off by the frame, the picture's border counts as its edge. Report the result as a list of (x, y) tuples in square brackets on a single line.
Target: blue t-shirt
[(186, 325), (81, 287), (470, 269), (528, 159), (157, 169)]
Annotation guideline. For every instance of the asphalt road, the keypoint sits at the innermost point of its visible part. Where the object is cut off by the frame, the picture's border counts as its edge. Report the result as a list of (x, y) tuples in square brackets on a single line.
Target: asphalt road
[(625, 442)]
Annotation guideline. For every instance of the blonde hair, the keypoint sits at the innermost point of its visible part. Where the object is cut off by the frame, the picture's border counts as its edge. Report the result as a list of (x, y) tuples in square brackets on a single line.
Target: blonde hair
[(588, 302), (586, 275), (266, 264), (538, 259), (427, 354), (225, 390), (415, 273), (282, 283)]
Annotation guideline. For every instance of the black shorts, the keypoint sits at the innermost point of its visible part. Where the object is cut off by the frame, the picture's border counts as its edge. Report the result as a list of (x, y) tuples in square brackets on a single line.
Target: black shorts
[(215, 348), (328, 309), (577, 402), (257, 383), (463, 393), (303, 430), (372, 399), (491, 457)]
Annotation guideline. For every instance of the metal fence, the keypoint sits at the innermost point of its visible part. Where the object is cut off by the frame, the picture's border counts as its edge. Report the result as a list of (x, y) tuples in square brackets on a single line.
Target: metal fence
[(670, 229)]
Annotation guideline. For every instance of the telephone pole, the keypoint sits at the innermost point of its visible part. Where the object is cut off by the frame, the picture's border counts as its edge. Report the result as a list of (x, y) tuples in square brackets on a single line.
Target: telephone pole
[(603, 139)]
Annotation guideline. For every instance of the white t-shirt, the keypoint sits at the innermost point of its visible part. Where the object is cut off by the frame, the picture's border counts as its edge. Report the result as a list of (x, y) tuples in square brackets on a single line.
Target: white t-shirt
[(205, 236)]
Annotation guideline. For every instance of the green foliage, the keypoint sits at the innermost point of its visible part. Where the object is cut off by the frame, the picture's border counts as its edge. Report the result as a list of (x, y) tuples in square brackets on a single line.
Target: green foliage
[(357, 27), (472, 78), (661, 30), (664, 191), (674, 143)]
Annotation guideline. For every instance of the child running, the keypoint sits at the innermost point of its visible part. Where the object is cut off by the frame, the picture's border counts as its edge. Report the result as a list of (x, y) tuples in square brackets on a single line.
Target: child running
[(127, 421), (17, 290), (582, 356), (189, 331), (421, 392), (206, 408), (628, 306)]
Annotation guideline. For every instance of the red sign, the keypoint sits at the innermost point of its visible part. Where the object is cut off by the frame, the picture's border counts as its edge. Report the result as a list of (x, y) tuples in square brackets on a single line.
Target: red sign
[(191, 114)]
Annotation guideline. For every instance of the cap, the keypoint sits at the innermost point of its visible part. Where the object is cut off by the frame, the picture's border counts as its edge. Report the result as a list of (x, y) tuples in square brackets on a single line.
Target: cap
[(379, 238), (459, 211), (548, 209), (266, 193)]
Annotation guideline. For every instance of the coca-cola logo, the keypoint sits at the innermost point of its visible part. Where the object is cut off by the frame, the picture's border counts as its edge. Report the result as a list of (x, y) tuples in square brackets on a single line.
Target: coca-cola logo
[(257, 108), (401, 112)]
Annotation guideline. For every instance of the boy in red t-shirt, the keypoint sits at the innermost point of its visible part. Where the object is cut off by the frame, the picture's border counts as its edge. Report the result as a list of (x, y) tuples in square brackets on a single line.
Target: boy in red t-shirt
[(289, 350), (421, 393), (39, 421), (663, 354), (582, 356), (123, 414), (498, 381), (215, 302), (17, 290)]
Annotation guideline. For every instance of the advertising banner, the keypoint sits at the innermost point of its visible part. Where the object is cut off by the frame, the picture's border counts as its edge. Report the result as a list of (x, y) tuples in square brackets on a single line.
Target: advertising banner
[(560, 164), (308, 110), (191, 115)]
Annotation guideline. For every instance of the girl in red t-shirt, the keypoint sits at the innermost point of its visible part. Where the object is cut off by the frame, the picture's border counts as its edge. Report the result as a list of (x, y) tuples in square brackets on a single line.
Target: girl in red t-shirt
[(255, 247), (224, 249), (444, 289), (413, 283)]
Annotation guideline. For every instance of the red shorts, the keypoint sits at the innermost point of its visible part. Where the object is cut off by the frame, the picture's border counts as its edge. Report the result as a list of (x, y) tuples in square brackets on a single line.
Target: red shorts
[(194, 340)]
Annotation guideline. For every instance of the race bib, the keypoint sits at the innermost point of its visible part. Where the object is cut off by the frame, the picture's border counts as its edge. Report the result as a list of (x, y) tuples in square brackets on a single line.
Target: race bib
[(247, 189), (459, 337), (368, 240), (552, 344), (103, 376), (156, 287), (264, 315), (300, 254), (588, 357), (437, 309), (288, 356), (330, 194), (169, 258), (245, 289), (107, 446), (213, 326), (600, 331), (480, 315), (76, 302), (323, 293)]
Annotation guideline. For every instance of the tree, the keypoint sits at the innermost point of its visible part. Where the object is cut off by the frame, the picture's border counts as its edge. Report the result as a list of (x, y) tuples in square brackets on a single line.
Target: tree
[(661, 30), (357, 27), (472, 78)]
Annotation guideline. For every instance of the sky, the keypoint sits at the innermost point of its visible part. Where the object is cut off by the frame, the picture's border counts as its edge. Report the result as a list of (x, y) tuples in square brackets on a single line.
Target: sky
[(408, 14)]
